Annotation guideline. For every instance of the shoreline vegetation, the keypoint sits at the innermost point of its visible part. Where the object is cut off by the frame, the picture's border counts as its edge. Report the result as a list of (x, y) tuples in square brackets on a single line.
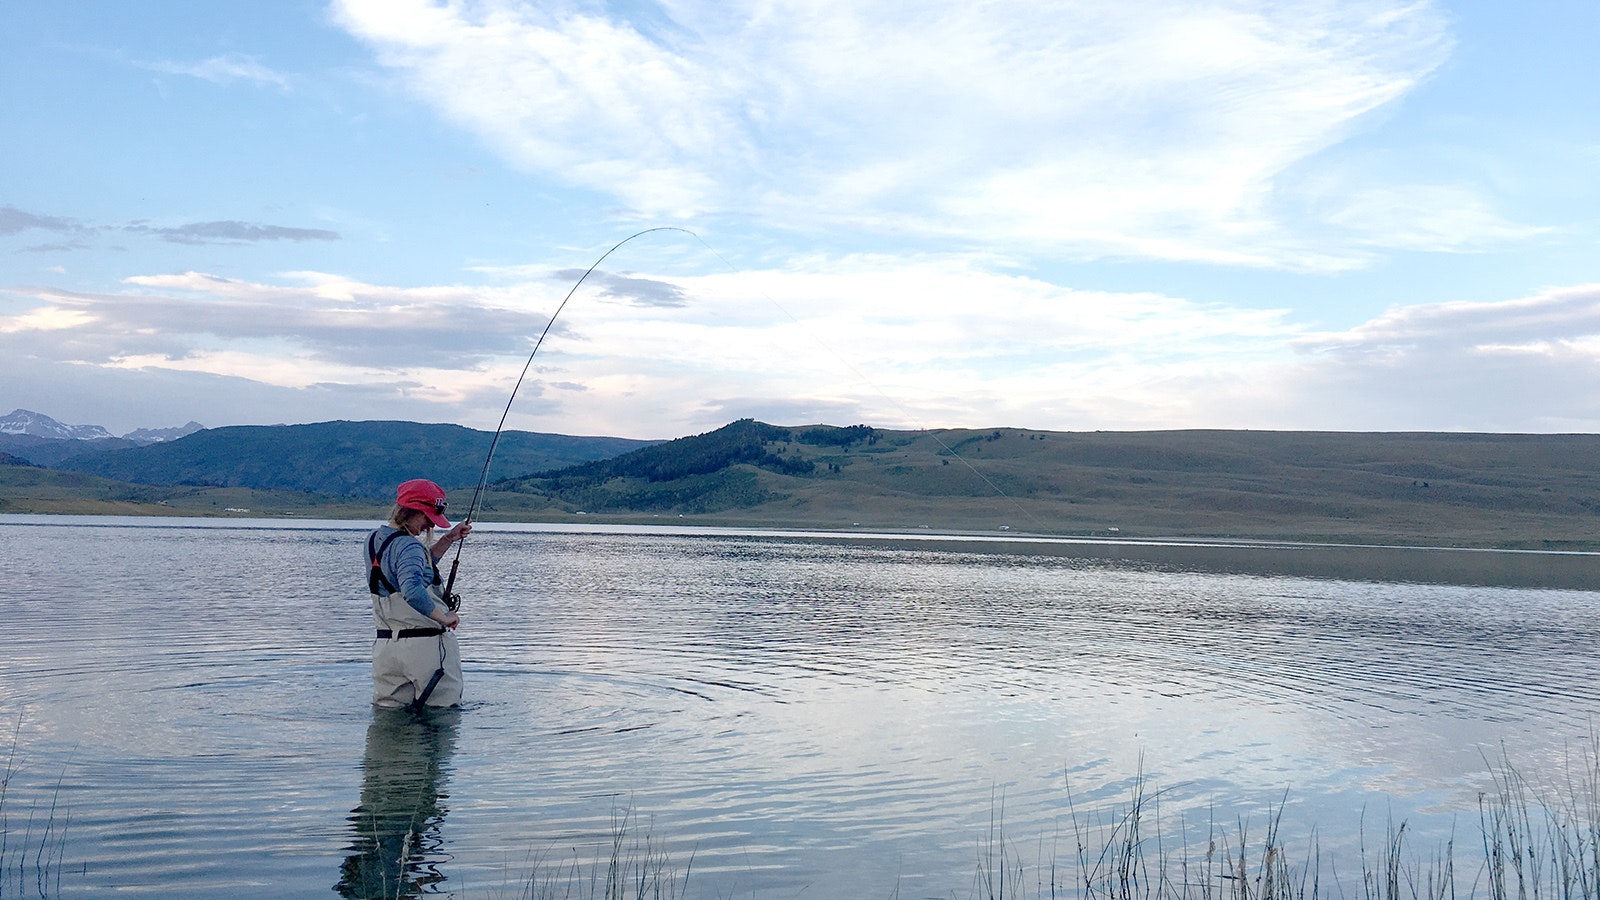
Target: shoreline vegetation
[(1535, 841), (1480, 491), (31, 861)]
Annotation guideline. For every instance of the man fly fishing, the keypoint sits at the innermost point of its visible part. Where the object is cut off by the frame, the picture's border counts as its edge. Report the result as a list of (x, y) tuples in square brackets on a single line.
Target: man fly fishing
[(415, 660)]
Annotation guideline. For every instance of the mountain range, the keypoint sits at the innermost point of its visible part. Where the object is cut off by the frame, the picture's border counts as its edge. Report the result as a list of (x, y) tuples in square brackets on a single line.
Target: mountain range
[(1443, 489), (34, 424), (340, 459), (1446, 489)]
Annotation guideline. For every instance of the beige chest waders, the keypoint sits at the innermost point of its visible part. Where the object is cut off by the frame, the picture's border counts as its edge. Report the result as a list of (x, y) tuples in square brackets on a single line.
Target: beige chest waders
[(415, 660)]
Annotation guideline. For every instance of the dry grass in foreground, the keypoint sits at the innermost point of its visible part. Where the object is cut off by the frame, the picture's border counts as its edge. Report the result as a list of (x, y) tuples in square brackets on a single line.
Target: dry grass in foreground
[(1537, 842), (1535, 845)]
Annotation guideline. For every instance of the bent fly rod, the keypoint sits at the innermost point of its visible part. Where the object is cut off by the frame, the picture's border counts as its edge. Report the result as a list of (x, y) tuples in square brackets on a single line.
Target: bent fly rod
[(483, 476)]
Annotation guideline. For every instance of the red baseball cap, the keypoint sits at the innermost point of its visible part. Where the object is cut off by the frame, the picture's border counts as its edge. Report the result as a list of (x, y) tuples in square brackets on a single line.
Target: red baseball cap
[(425, 497)]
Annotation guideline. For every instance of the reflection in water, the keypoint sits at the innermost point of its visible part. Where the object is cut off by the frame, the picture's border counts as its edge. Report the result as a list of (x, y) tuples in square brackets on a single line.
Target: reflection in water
[(832, 718), (396, 846)]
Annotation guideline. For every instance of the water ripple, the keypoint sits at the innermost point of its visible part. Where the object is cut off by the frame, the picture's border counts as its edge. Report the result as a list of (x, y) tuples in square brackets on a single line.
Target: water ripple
[(789, 713)]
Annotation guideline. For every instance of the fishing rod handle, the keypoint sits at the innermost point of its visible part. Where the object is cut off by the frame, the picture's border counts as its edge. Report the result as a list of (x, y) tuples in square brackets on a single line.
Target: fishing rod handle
[(451, 600)]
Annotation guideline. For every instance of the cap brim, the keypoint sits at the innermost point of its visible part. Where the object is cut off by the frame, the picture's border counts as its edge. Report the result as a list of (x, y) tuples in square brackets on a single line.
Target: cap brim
[(437, 520)]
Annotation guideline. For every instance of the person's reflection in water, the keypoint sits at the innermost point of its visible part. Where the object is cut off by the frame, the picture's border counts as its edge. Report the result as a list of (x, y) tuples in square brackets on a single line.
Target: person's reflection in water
[(396, 843)]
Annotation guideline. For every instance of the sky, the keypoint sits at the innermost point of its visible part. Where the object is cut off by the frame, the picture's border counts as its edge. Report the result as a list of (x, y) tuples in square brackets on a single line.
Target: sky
[(1375, 215)]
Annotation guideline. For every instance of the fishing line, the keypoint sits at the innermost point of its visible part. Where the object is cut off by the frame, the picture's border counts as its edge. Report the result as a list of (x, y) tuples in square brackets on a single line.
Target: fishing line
[(483, 475)]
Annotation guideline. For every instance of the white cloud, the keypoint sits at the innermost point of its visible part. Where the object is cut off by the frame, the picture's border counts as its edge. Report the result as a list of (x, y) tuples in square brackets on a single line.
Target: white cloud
[(1446, 218), (556, 90), (1556, 316), (223, 70), (125, 399), (893, 342), (47, 318), (912, 342), (355, 324), (1531, 364), (1091, 127)]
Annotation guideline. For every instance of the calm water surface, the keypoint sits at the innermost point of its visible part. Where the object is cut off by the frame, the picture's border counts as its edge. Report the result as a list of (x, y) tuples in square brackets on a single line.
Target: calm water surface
[(188, 708)]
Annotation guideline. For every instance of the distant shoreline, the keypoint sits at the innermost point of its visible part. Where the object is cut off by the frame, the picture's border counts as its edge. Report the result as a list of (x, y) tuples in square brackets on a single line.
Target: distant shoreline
[(1468, 567), (1510, 492)]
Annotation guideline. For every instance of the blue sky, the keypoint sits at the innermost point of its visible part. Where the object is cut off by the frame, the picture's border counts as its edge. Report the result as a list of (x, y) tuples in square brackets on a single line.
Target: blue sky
[(1073, 216)]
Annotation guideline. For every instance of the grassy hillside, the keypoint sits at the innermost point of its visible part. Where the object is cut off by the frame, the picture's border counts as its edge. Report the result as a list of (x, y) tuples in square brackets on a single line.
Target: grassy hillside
[(1466, 490), (1536, 491), (347, 459), (29, 489), (42, 451)]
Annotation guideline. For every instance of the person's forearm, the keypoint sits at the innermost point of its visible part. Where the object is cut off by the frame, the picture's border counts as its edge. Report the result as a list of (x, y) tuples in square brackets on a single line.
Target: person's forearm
[(444, 616), (461, 530)]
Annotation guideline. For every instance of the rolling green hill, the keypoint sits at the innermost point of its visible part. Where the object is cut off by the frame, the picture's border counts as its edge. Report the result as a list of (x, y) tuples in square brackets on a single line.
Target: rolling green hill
[(1466, 490), (43, 451), (1540, 491), (32, 489), (346, 459), (713, 472)]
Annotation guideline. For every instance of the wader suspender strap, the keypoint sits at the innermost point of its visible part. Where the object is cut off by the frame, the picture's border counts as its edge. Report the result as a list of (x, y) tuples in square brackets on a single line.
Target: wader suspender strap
[(422, 698), (375, 577)]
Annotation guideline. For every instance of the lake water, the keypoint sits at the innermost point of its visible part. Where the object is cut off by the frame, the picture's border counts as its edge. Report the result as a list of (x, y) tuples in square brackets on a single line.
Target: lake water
[(764, 715)]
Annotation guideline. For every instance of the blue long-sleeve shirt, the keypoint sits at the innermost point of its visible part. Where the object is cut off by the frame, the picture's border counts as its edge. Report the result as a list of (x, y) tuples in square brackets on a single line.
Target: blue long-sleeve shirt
[(408, 565)]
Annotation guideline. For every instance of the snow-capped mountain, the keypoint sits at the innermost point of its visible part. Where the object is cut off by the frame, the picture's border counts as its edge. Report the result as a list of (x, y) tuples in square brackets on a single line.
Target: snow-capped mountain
[(26, 421), (157, 435)]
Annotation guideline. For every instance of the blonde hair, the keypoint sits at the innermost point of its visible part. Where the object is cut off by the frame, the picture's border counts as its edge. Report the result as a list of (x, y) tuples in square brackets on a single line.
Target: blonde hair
[(399, 515)]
